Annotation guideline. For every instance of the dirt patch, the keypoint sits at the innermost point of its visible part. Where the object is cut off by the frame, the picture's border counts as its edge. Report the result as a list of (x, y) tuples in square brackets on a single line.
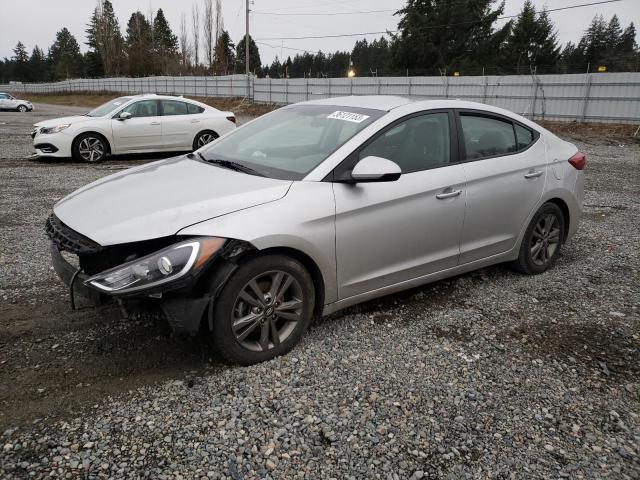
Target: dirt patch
[(607, 347), (607, 133), (55, 361)]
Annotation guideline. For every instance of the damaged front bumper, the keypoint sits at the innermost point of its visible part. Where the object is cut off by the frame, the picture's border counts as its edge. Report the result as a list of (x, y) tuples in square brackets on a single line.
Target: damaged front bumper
[(184, 302)]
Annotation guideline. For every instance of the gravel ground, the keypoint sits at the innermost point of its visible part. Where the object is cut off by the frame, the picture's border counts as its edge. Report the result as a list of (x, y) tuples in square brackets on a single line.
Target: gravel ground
[(488, 375)]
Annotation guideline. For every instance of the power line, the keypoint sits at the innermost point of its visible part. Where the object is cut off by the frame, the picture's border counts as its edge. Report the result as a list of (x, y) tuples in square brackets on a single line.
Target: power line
[(327, 14), (360, 34)]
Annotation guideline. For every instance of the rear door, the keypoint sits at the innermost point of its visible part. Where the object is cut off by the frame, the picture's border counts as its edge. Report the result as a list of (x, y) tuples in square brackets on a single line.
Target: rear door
[(179, 127), (505, 166), (391, 232), (143, 131), (4, 101)]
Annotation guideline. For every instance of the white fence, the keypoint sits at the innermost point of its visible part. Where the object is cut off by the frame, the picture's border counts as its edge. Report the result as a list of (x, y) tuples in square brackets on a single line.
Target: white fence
[(595, 97)]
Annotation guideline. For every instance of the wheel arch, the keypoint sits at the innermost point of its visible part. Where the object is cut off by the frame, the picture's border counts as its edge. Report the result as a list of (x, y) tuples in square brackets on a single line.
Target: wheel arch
[(92, 132), (562, 205)]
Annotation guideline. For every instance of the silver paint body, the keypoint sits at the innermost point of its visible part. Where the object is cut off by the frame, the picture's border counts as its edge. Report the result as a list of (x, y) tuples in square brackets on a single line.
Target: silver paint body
[(367, 239), (9, 102)]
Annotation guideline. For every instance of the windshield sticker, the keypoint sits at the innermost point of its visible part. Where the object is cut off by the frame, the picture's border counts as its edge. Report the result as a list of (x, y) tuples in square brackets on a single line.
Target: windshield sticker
[(349, 116)]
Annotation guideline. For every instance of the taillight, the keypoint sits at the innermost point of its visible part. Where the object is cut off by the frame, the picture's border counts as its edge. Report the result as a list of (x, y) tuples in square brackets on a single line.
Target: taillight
[(232, 119), (578, 161)]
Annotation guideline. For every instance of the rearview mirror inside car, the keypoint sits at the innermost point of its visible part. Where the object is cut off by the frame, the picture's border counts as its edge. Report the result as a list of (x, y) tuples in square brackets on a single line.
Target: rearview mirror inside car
[(124, 116), (375, 169)]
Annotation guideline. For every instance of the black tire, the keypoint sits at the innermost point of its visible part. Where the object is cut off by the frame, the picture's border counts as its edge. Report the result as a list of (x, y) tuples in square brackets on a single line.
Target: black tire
[(536, 252), (203, 138), (22, 108), (90, 148), (231, 306)]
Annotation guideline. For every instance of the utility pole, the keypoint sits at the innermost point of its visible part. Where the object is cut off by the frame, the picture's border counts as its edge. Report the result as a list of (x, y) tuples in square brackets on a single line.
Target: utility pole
[(246, 53), (246, 43)]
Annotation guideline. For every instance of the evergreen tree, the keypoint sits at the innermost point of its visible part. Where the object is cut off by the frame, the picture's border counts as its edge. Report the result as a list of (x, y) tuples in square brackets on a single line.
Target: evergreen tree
[(532, 42), (225, 55), (254, 56), (20, 59), (65, 57), (105, 39), (38, 65), (165, 43), (139, 45), (446, 35)]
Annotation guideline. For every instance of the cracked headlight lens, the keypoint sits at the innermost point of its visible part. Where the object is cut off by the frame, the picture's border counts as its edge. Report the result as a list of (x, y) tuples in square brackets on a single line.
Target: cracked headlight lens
[(161, 267)]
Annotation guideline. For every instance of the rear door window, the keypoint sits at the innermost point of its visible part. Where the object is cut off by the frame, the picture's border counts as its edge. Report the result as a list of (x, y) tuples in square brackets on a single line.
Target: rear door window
[(193, 109), (524, 136), (487, 136), (173, 107)]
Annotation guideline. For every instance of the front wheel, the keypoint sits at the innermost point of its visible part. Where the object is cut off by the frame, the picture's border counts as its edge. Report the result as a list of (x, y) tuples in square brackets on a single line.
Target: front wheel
[(22, 108), (542, 240), (90, 148), (263, 310)]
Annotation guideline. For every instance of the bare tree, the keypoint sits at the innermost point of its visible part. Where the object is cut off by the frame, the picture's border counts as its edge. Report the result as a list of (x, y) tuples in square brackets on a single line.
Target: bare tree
[(208, 30), (219, 25), (185, 48), (195, 23)]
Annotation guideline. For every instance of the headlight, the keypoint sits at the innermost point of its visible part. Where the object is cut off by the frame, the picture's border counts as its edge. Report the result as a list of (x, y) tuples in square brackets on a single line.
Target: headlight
[(56, 129), (158, 268)]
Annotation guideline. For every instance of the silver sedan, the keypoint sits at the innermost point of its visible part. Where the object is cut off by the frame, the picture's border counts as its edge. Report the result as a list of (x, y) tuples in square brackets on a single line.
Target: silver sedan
[(318, 206)]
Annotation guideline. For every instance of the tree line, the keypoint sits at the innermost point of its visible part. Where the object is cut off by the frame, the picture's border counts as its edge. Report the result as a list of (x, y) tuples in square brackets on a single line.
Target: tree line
[(434, 37)]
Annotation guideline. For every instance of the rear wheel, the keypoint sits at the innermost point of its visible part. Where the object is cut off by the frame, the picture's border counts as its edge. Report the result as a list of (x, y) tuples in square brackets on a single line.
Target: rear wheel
[(203, 138), (542, 240), (263, 310), (90, 148)]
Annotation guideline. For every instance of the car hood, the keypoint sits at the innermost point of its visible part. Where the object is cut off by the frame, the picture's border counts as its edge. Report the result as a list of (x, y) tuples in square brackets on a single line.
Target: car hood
[(61, 121), (159, 199)]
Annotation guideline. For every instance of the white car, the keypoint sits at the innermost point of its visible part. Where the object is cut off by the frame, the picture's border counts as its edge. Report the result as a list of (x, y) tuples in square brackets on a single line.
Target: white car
[(133, 124), (9, 102)]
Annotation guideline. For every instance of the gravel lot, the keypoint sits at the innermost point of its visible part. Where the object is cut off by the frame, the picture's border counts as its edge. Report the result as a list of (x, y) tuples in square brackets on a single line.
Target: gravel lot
[(488, 375)]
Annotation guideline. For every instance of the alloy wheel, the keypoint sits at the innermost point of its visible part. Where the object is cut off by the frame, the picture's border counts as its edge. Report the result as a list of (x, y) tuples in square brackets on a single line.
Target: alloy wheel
[(22, 108), (91, 149), (205, 138), (545, 239), (267, 310)]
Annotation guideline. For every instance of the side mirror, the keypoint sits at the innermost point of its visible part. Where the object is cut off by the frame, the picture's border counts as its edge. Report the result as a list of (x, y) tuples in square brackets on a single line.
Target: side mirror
[(124, 116), (375, 169)]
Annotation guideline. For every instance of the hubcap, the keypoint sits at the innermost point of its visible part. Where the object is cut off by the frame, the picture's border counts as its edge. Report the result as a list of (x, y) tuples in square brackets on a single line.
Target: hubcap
[(267, 310), (545, 239), (22, 109), (205, 138), (91, 149)]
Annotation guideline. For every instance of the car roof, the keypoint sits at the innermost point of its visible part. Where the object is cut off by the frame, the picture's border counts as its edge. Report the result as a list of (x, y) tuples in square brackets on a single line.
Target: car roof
[(375, 102)]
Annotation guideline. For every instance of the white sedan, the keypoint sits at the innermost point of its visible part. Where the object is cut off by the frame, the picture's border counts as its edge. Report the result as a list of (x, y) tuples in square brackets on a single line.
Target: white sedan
[(134, 124)]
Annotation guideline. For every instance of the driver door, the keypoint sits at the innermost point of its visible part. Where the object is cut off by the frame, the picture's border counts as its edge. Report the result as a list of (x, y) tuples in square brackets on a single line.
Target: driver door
[(4, 101), (391, 232), (143, 131)]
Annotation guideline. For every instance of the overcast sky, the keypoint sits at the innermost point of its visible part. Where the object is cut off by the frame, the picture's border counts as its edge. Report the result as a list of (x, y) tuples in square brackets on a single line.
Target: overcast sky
[(35, 22)]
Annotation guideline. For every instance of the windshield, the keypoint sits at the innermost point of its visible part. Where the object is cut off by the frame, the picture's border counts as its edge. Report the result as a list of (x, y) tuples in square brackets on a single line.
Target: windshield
[(290, 142), (108, 107)]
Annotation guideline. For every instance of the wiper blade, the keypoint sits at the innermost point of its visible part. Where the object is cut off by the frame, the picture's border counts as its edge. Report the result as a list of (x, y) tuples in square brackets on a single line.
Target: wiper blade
[(238, 167)]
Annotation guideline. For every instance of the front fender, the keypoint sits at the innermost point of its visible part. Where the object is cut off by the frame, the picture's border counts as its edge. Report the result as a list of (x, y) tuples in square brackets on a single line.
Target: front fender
[(303, 220)]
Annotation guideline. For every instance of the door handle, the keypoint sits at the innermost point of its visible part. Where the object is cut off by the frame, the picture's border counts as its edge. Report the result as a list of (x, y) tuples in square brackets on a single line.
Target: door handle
[(448, 194), (155, 123), (533, 174)]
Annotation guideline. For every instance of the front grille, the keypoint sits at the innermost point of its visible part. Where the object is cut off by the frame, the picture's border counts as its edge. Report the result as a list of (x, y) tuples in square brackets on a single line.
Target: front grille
[(68, 239)]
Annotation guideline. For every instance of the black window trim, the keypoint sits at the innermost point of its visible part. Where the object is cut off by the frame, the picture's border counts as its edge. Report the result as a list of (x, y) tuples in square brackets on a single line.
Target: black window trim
[(341, 172), (495, 116)]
